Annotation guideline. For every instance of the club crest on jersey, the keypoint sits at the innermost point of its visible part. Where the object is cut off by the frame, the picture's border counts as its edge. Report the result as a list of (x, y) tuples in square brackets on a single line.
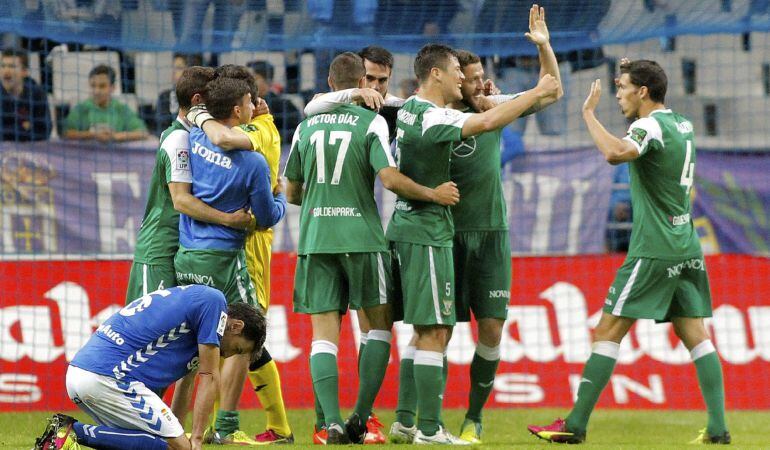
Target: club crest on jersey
[(465, 147), (182, 159), (222, 323), (638, 135), (447, 307)]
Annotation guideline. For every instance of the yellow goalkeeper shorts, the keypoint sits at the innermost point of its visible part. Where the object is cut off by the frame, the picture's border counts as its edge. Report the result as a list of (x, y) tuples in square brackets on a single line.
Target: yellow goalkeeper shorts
[(258, 248)]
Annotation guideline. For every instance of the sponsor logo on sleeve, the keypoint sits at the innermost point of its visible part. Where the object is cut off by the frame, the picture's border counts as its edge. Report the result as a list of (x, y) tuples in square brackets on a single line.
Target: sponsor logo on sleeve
[(222, 323), (182, 159), (637, 135)]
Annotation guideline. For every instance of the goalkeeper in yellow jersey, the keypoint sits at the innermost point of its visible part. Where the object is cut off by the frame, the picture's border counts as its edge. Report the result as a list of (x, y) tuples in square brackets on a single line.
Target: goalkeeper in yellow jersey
[(262, 136)]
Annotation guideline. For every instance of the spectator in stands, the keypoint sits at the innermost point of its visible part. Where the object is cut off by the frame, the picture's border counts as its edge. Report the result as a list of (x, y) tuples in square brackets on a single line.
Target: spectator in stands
[(190, 30), (102, 117), (618, 234), (167, 105), (429, 19), (24, 113), (286, 114), (82, 17)]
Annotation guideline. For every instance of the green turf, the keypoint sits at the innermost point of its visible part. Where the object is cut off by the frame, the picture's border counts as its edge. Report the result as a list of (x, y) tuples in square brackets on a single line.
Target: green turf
[(503, 428)]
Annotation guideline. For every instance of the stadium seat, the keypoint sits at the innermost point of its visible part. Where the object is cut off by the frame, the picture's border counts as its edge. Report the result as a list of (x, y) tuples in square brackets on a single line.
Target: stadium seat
[(70, 73), (33, 64), (152, 25), (402, 69), (307, 72), (728, 74), (153, 72)]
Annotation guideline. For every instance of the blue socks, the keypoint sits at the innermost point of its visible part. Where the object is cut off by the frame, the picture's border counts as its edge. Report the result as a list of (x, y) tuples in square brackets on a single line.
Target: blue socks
[(106, 438)]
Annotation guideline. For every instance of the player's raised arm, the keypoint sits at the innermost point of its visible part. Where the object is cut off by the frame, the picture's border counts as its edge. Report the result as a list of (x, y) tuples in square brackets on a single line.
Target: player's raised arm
[(507, 112), (615, 150), (538, 34), (326, 102)]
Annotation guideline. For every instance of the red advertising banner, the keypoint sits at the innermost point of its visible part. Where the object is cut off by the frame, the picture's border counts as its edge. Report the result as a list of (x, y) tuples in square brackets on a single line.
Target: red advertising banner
[(48, 310)]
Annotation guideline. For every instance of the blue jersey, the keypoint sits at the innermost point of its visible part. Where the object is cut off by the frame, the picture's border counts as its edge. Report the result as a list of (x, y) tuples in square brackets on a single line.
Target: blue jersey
[(227, 181), (155, 338)]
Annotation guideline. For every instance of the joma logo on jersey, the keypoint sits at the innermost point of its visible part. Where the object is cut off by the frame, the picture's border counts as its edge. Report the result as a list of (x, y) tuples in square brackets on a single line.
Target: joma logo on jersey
[(695, 264), (500, 293), (465, 148), (212, 157)]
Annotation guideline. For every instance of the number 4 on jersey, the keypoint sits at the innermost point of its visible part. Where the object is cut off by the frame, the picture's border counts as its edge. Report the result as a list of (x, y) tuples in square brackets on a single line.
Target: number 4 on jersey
[(318, 140), (688, 171)]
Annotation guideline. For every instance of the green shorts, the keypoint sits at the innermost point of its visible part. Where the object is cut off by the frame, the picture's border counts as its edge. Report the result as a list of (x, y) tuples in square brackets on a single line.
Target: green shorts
[(335, 281), (424, 292), (145, 278), (482, 262), (220, 269), (647, 288)]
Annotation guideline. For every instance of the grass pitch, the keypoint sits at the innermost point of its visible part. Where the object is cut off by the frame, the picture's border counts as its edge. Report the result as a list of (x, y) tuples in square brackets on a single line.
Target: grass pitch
[(503, 428)]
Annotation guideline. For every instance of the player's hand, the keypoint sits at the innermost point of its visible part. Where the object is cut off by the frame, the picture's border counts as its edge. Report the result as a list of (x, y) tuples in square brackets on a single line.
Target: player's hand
[(538, 30), (261, 107), (196, 443), (240, 220), (279, 186), (198, 115), (547, 86), (369, 97), (446, 194), (593, 97), (490, 88), (103, 135), (483, 103)]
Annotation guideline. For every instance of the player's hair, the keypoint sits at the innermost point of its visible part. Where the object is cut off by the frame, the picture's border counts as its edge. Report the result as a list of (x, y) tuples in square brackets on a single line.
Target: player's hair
[(346, 70), (466, 58), (240, 73), (223, 94), (193, 81), (644, 72), (263, 69), (17, 53), (190, 59), (430, 56), (254, 324), (377, 55), (103, 69)]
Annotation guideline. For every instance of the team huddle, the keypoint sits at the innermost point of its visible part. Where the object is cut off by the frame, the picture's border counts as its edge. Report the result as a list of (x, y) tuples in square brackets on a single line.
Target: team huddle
[(199, 285)]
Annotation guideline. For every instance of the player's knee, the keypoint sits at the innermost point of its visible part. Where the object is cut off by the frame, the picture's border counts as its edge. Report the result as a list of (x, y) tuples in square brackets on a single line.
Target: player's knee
[(490, 332)]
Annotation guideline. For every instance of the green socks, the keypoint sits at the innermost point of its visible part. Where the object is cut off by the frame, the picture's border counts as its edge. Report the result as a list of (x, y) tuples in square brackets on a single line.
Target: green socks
[(428, 379), (372, 365), (323, 368), (227, 422), (483, 369), (596, 374), (407, 391), (320, 420), (711, 385)]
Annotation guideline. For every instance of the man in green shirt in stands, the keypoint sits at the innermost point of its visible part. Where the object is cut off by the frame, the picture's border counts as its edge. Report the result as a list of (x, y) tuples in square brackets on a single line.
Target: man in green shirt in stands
[(102, 117)]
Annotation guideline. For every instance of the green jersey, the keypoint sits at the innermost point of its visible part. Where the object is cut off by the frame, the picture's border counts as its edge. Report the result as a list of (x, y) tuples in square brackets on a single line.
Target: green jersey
[(424, 137), (661, 180), (159, 234), (337, 156), (475, 168)]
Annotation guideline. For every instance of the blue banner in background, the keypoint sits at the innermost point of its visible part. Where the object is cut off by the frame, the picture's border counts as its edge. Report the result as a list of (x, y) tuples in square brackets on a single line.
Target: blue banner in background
[(70, 198), (732, 202)]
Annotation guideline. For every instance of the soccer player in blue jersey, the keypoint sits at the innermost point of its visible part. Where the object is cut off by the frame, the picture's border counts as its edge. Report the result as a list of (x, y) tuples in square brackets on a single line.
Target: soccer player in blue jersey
[(213, 254), (134, 355)]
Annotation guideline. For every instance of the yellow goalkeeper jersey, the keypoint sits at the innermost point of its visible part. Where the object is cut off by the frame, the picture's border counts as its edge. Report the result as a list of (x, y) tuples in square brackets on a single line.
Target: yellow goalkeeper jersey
[(265, 139)]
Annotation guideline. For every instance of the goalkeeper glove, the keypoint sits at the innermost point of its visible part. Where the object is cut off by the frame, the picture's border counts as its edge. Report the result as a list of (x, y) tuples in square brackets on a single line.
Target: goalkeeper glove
[(198, 115)]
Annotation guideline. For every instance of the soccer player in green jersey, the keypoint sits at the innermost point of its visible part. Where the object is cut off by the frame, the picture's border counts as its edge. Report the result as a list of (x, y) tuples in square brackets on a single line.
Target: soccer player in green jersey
[(421, 234), (343, 256), (664, 275), (169, 194), (482, 249)]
